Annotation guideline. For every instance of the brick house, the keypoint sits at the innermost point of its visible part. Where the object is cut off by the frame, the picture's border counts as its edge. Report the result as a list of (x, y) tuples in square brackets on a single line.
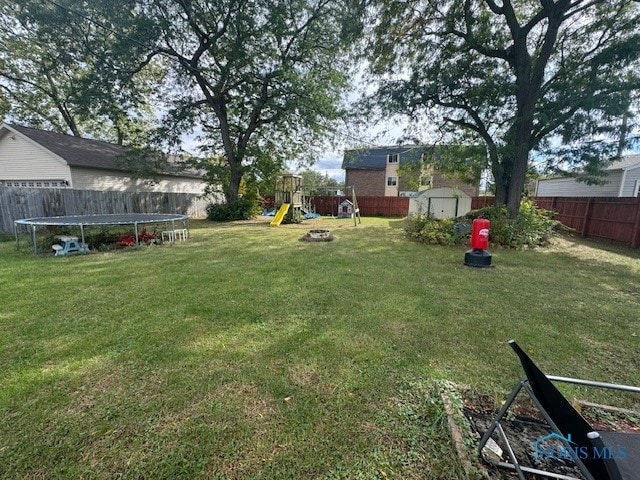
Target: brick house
[(374, 172)]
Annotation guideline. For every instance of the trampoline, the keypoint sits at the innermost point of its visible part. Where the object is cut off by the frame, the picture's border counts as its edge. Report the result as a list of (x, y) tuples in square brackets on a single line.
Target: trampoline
[(83, 221)]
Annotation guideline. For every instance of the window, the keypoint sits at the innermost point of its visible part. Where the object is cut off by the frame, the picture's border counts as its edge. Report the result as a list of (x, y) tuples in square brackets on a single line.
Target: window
[(392, 181), (636, 189), (393, 158), (34, 183)]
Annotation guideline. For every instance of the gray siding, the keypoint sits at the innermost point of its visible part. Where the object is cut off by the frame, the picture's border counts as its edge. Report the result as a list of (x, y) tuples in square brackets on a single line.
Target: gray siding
[(21, 159), (568, 187), (17, 203), (112, 180), (630, 180)]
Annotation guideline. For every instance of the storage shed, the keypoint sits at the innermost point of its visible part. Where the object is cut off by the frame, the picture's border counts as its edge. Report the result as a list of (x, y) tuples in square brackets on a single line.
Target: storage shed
[(441, 202)]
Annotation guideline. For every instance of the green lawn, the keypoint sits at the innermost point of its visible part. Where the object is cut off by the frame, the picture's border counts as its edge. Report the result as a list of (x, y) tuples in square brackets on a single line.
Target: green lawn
[(246, 353)]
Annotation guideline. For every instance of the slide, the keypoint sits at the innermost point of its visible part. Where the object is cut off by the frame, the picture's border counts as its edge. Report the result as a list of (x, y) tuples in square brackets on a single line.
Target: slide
[(277, 220)]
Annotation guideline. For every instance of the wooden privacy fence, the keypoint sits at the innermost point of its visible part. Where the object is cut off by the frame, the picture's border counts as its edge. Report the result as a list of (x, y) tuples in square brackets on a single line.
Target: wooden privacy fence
[(608, 218), (17, 203), (369, 206)]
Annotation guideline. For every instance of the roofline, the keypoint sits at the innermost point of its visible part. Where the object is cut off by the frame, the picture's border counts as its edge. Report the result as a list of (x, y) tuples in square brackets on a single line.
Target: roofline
[(94, 167), (122, 170), (632, 167), (363, 168)]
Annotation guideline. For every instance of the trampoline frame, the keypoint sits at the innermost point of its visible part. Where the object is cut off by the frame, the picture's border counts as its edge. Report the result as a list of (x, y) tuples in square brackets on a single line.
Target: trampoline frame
[(83, 221)]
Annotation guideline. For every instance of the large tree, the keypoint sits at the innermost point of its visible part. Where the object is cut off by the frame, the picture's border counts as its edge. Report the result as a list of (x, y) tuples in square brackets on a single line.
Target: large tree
[(258, 80), (520, 76), (64, 67)]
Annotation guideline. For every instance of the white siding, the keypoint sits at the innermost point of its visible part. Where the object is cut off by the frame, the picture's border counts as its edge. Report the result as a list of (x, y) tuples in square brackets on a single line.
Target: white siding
[(112, 180), (441, 202), (630, 182), (568, 187), (20, 159)]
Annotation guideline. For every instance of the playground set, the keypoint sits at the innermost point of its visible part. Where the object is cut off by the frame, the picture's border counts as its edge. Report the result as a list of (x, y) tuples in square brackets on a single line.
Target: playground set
[(292, 205)]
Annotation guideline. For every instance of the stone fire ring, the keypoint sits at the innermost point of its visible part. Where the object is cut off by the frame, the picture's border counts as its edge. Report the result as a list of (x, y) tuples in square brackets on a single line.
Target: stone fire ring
[(318, 236)]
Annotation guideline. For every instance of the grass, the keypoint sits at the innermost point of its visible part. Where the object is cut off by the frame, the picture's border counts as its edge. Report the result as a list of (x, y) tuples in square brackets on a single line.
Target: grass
[(246, 353)]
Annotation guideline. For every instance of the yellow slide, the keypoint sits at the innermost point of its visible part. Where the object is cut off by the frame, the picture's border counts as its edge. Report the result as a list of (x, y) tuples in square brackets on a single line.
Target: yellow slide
[(284, 208)]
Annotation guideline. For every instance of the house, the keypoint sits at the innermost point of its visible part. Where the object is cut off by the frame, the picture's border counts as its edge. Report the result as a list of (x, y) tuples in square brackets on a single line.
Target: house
[(375, 172), (622, 180), (32, 158)]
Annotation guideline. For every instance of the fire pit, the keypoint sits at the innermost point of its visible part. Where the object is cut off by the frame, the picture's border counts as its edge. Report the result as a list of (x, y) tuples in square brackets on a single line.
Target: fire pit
[(318, 236)]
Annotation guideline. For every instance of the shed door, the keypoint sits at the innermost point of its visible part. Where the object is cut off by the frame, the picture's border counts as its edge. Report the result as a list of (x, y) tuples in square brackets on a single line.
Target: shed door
[(443, 207)]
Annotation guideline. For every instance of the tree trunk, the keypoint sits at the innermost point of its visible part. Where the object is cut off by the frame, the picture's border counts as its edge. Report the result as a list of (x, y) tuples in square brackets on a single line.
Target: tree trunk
[(233, 190), (516, 184), (501, 189)]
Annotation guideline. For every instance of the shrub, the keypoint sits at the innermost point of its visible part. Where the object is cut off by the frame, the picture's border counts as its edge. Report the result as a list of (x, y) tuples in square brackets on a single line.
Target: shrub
[(427, 229), (533, 227), (240, 209)]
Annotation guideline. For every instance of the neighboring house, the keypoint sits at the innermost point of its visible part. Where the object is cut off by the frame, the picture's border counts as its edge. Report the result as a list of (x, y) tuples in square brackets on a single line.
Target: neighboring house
[(34, 158), (622, 180), (374, 172)]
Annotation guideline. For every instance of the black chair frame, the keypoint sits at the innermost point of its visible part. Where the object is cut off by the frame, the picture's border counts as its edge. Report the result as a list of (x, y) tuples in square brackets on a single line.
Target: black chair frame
[(604, 469)]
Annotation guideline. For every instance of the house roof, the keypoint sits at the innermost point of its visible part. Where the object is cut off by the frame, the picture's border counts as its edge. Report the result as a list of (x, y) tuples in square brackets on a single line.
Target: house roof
[(376, 158), (625, 163), (83, 152), (628, 162)]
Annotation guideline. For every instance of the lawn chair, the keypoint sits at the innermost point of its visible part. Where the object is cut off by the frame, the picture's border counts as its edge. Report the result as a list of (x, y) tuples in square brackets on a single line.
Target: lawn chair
[(598, 455)]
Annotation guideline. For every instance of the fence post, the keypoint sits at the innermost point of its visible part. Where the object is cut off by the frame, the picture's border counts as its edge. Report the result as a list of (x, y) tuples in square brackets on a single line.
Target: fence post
[(635, 238), (587, 217)]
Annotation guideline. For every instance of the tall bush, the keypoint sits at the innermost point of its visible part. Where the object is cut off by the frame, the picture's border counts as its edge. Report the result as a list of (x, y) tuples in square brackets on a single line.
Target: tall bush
[(241, 209)]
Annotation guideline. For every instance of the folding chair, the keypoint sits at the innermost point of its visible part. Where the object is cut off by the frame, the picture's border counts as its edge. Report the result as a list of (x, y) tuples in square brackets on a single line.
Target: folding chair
[(598, 455)]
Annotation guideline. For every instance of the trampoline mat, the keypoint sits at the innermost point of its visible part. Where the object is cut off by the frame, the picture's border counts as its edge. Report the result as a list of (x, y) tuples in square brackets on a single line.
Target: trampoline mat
[(109, 219)]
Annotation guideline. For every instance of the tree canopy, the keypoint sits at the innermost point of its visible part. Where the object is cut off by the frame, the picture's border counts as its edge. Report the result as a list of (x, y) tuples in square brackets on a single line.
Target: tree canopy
[(70, 74), (317, 183), (256, 79), (521, 77)]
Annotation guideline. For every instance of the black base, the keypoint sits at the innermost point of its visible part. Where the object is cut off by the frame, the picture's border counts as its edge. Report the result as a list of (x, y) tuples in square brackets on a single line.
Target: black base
[(477, 258)]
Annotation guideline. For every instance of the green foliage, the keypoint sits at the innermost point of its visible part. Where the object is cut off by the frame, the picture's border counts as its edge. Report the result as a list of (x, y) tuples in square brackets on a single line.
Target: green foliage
[(262, 83), (511, 77), (410, 174), (316, 183), (63, 73), (243, 208), (531, 228), (433, 231)]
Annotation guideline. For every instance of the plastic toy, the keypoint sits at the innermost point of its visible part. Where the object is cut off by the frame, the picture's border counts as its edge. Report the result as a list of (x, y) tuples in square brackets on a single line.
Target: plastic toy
[(69, 245)]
